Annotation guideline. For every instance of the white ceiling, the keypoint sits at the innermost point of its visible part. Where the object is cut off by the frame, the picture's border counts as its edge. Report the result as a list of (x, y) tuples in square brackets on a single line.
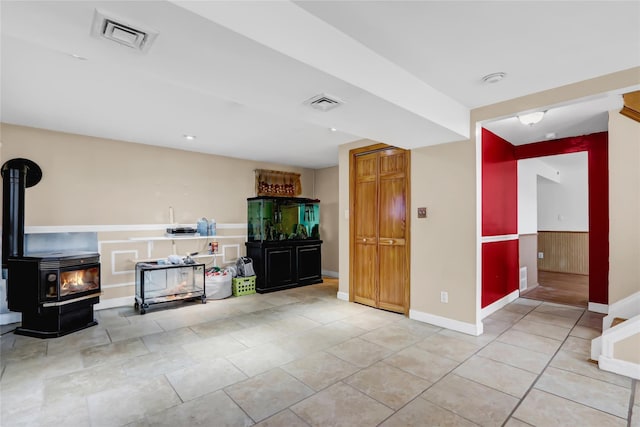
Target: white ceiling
[(236, 74)]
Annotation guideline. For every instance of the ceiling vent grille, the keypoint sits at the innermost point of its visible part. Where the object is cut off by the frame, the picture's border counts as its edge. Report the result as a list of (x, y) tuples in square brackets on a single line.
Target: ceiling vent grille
[(115, 29), (324, 102)]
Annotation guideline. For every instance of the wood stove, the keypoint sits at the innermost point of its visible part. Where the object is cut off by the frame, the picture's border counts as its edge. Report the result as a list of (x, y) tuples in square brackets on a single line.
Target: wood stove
[(55, 292)]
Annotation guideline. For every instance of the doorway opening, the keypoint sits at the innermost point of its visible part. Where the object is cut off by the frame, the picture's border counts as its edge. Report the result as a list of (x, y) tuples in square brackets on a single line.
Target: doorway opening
[(596, 148), (554, 199)]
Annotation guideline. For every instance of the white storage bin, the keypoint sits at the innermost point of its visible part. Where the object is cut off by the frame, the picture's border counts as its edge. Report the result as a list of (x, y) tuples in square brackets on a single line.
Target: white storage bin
[(218, 287)]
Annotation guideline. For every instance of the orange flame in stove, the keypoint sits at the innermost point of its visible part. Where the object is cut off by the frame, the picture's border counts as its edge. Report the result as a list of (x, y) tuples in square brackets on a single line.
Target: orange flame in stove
[(73, 279)]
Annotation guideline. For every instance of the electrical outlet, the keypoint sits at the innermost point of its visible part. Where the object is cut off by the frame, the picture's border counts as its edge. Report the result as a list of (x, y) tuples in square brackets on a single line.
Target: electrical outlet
[(540, 255), (444, 297), (422, 212)]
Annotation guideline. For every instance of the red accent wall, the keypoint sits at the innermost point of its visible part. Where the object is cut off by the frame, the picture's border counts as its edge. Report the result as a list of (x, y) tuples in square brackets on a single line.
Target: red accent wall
[(500, 260), (596, 146), (499, 186), (500, 270)]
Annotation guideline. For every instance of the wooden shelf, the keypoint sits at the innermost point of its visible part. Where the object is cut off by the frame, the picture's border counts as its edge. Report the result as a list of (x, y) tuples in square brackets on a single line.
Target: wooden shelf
[(156, 238), (191, 237), (156, 259)]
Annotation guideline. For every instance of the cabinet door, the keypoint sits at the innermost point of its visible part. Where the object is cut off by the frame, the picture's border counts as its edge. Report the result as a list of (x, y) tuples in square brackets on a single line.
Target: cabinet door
[(279, 267), (309, 263)]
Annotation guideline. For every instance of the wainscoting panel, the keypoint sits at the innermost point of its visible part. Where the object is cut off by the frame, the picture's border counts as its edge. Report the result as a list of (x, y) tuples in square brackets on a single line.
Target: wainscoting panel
[(564, 251)]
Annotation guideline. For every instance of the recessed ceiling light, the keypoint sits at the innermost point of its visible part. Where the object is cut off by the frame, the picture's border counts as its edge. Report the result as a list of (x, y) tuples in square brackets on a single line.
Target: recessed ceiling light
[(78, 57), (333, 129), (550, 135), (189, 137), (531, 119), (494, 77)]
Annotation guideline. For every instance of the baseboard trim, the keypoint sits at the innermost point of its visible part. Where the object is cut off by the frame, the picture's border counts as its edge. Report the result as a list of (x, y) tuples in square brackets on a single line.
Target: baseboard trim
[(11, 317), (344, 296), (598, 308), (493, 307), (114, 302), (621, 367), (330, 273), (445, 322)]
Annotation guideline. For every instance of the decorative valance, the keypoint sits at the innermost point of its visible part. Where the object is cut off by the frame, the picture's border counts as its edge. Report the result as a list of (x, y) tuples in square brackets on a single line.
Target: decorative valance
[(277, 183)]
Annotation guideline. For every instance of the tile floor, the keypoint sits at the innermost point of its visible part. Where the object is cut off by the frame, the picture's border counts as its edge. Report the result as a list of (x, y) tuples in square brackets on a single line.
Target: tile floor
[(303, 358)]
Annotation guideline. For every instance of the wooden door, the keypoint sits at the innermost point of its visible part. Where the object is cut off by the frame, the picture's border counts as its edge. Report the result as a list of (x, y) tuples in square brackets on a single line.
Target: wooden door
[(392, 230), (379, 238), (365, 242)]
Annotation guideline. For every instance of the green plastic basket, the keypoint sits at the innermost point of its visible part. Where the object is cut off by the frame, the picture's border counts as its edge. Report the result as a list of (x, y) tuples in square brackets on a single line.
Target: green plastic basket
[(243, 286)]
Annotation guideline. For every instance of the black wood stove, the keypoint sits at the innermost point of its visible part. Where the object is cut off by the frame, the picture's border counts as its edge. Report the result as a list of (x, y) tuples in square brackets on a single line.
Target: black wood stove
[(55, 292)]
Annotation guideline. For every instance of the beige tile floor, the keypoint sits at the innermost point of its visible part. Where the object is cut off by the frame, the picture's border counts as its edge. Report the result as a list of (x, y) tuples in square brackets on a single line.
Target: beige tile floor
[(301, 357)]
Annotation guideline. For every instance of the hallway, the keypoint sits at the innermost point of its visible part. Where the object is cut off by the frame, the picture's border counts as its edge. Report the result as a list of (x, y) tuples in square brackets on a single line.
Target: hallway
[(560, 288)]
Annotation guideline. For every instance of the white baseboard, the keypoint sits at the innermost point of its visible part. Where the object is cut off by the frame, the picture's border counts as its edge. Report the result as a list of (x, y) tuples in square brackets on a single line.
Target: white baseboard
[(621, 367), (492, 308), (598, 308), (627, 308), (114, 302), (11, 317), (445, 322), (330, 273), (344, 296)]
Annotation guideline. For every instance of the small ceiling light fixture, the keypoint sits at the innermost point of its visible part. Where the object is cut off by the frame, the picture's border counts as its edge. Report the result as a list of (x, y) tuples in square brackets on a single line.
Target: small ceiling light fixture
[(333, 129), (550, 135), (189, 137), (494, 77), (531, 119)]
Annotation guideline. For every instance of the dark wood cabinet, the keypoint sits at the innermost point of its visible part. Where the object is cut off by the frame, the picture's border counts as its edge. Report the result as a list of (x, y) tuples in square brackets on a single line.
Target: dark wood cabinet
[(285, 264), (278, 268)]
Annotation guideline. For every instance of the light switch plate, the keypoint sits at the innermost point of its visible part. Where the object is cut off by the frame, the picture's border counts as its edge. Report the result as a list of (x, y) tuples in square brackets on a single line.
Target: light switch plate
[(422, 212)]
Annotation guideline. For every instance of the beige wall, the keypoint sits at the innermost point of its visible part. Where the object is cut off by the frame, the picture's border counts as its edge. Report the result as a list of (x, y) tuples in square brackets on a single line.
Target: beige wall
[(326, 189), (628, 349), (90, 180), (443, 245), (624, 206)]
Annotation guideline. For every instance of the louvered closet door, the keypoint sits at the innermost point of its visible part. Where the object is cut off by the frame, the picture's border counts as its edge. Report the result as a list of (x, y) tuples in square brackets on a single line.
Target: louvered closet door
[(380, 259)]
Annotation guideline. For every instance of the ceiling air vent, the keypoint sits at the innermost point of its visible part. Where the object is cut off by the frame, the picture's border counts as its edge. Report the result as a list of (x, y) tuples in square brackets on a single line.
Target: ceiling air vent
[(117, 30), (324, 102)]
